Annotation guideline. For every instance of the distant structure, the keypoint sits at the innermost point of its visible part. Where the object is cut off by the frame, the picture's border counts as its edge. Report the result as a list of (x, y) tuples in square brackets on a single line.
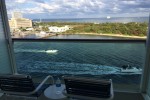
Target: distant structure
[(58, 29), (17, 21), (108, 17)]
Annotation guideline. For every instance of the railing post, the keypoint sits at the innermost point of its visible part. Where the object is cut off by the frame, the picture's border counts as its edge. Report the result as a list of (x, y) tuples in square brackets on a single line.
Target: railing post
[(146, 69)]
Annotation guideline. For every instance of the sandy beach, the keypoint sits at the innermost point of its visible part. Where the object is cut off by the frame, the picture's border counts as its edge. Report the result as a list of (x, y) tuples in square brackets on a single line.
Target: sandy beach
[(112, 35)]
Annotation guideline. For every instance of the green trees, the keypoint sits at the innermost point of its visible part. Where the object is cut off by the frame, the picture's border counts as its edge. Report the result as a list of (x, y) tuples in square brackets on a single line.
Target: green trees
[(45, 28), (132, 28), (22, 29)]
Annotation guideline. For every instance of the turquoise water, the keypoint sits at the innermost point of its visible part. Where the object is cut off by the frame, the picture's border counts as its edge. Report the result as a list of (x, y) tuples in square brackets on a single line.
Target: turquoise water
[(100, 60), (90, 59), (98, 20)]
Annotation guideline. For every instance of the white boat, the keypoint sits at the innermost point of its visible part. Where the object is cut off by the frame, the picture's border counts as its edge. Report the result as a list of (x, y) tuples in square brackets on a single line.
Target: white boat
[(41, 34), (129, 69), (108, 17), (51, 51)]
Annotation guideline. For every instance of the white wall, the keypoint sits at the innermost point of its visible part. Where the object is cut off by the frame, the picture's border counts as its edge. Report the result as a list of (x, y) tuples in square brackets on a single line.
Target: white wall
[(58, 29)]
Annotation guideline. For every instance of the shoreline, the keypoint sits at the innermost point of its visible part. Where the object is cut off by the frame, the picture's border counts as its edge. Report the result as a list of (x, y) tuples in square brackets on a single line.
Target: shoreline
[(92, 34), (109, 35)]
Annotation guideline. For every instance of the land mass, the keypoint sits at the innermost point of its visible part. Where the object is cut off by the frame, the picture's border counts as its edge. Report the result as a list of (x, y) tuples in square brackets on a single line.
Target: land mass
[(116, 29), (125, 30)]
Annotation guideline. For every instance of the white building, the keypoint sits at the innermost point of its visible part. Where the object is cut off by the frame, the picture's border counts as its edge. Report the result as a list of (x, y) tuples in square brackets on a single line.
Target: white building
[(58, 29), (17, 21)]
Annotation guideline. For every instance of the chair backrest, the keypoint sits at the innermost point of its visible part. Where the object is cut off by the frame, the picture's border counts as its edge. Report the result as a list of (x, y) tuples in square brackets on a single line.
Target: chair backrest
[(16, 83), (88, 87)]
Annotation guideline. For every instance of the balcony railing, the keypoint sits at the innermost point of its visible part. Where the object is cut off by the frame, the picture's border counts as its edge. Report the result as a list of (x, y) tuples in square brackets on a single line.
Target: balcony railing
[(102, 58)]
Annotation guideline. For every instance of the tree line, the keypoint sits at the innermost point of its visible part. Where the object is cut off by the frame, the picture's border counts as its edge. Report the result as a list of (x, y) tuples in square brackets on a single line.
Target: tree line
[(132, 28)]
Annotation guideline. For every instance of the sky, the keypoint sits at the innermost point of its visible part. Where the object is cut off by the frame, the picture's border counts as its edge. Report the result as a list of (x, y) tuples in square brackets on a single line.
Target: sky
[(35, 9)]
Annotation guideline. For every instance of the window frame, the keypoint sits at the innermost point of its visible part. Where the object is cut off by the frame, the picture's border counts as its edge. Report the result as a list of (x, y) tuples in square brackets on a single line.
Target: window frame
[(7, 36), (146, 68)]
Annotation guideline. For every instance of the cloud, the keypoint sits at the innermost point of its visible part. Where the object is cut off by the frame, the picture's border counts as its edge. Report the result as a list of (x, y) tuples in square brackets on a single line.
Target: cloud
[(116, 9), (20, 1), (34, 10), (25, 1), (130, 2), (79, 8), (49, 8)]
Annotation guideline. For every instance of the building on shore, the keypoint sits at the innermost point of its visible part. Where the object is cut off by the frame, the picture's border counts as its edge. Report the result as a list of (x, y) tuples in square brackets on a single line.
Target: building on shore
[(17, 21), (58, 29)]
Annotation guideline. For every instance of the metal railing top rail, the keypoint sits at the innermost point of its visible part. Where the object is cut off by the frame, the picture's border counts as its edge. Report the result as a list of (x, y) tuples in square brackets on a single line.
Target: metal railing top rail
[(79, 40)]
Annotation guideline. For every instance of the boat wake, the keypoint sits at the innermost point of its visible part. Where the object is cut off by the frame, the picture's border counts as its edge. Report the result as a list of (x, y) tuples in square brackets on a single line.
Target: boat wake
[(70, 68), (34, 51)]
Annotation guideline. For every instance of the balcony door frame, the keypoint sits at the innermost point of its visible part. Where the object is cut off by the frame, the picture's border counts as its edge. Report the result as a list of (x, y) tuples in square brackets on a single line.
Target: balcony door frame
[(7, 37), (146, 70)]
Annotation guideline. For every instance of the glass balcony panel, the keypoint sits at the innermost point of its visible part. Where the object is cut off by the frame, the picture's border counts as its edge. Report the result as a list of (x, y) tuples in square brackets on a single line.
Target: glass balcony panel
[(4, 56), (99, 60)]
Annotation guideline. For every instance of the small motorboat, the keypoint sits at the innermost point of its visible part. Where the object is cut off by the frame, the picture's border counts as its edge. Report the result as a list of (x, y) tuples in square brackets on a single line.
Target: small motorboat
[(42, 34), (129, 69), (51, 51)]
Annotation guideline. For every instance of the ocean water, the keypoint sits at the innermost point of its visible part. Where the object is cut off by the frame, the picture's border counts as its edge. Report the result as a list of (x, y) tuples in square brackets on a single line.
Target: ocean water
[(84, 59), (98, 20), (102, 60)]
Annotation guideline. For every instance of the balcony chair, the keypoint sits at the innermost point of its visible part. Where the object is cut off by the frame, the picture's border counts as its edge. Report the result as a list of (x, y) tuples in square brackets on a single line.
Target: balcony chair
[(88, 89), (21, 86)]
